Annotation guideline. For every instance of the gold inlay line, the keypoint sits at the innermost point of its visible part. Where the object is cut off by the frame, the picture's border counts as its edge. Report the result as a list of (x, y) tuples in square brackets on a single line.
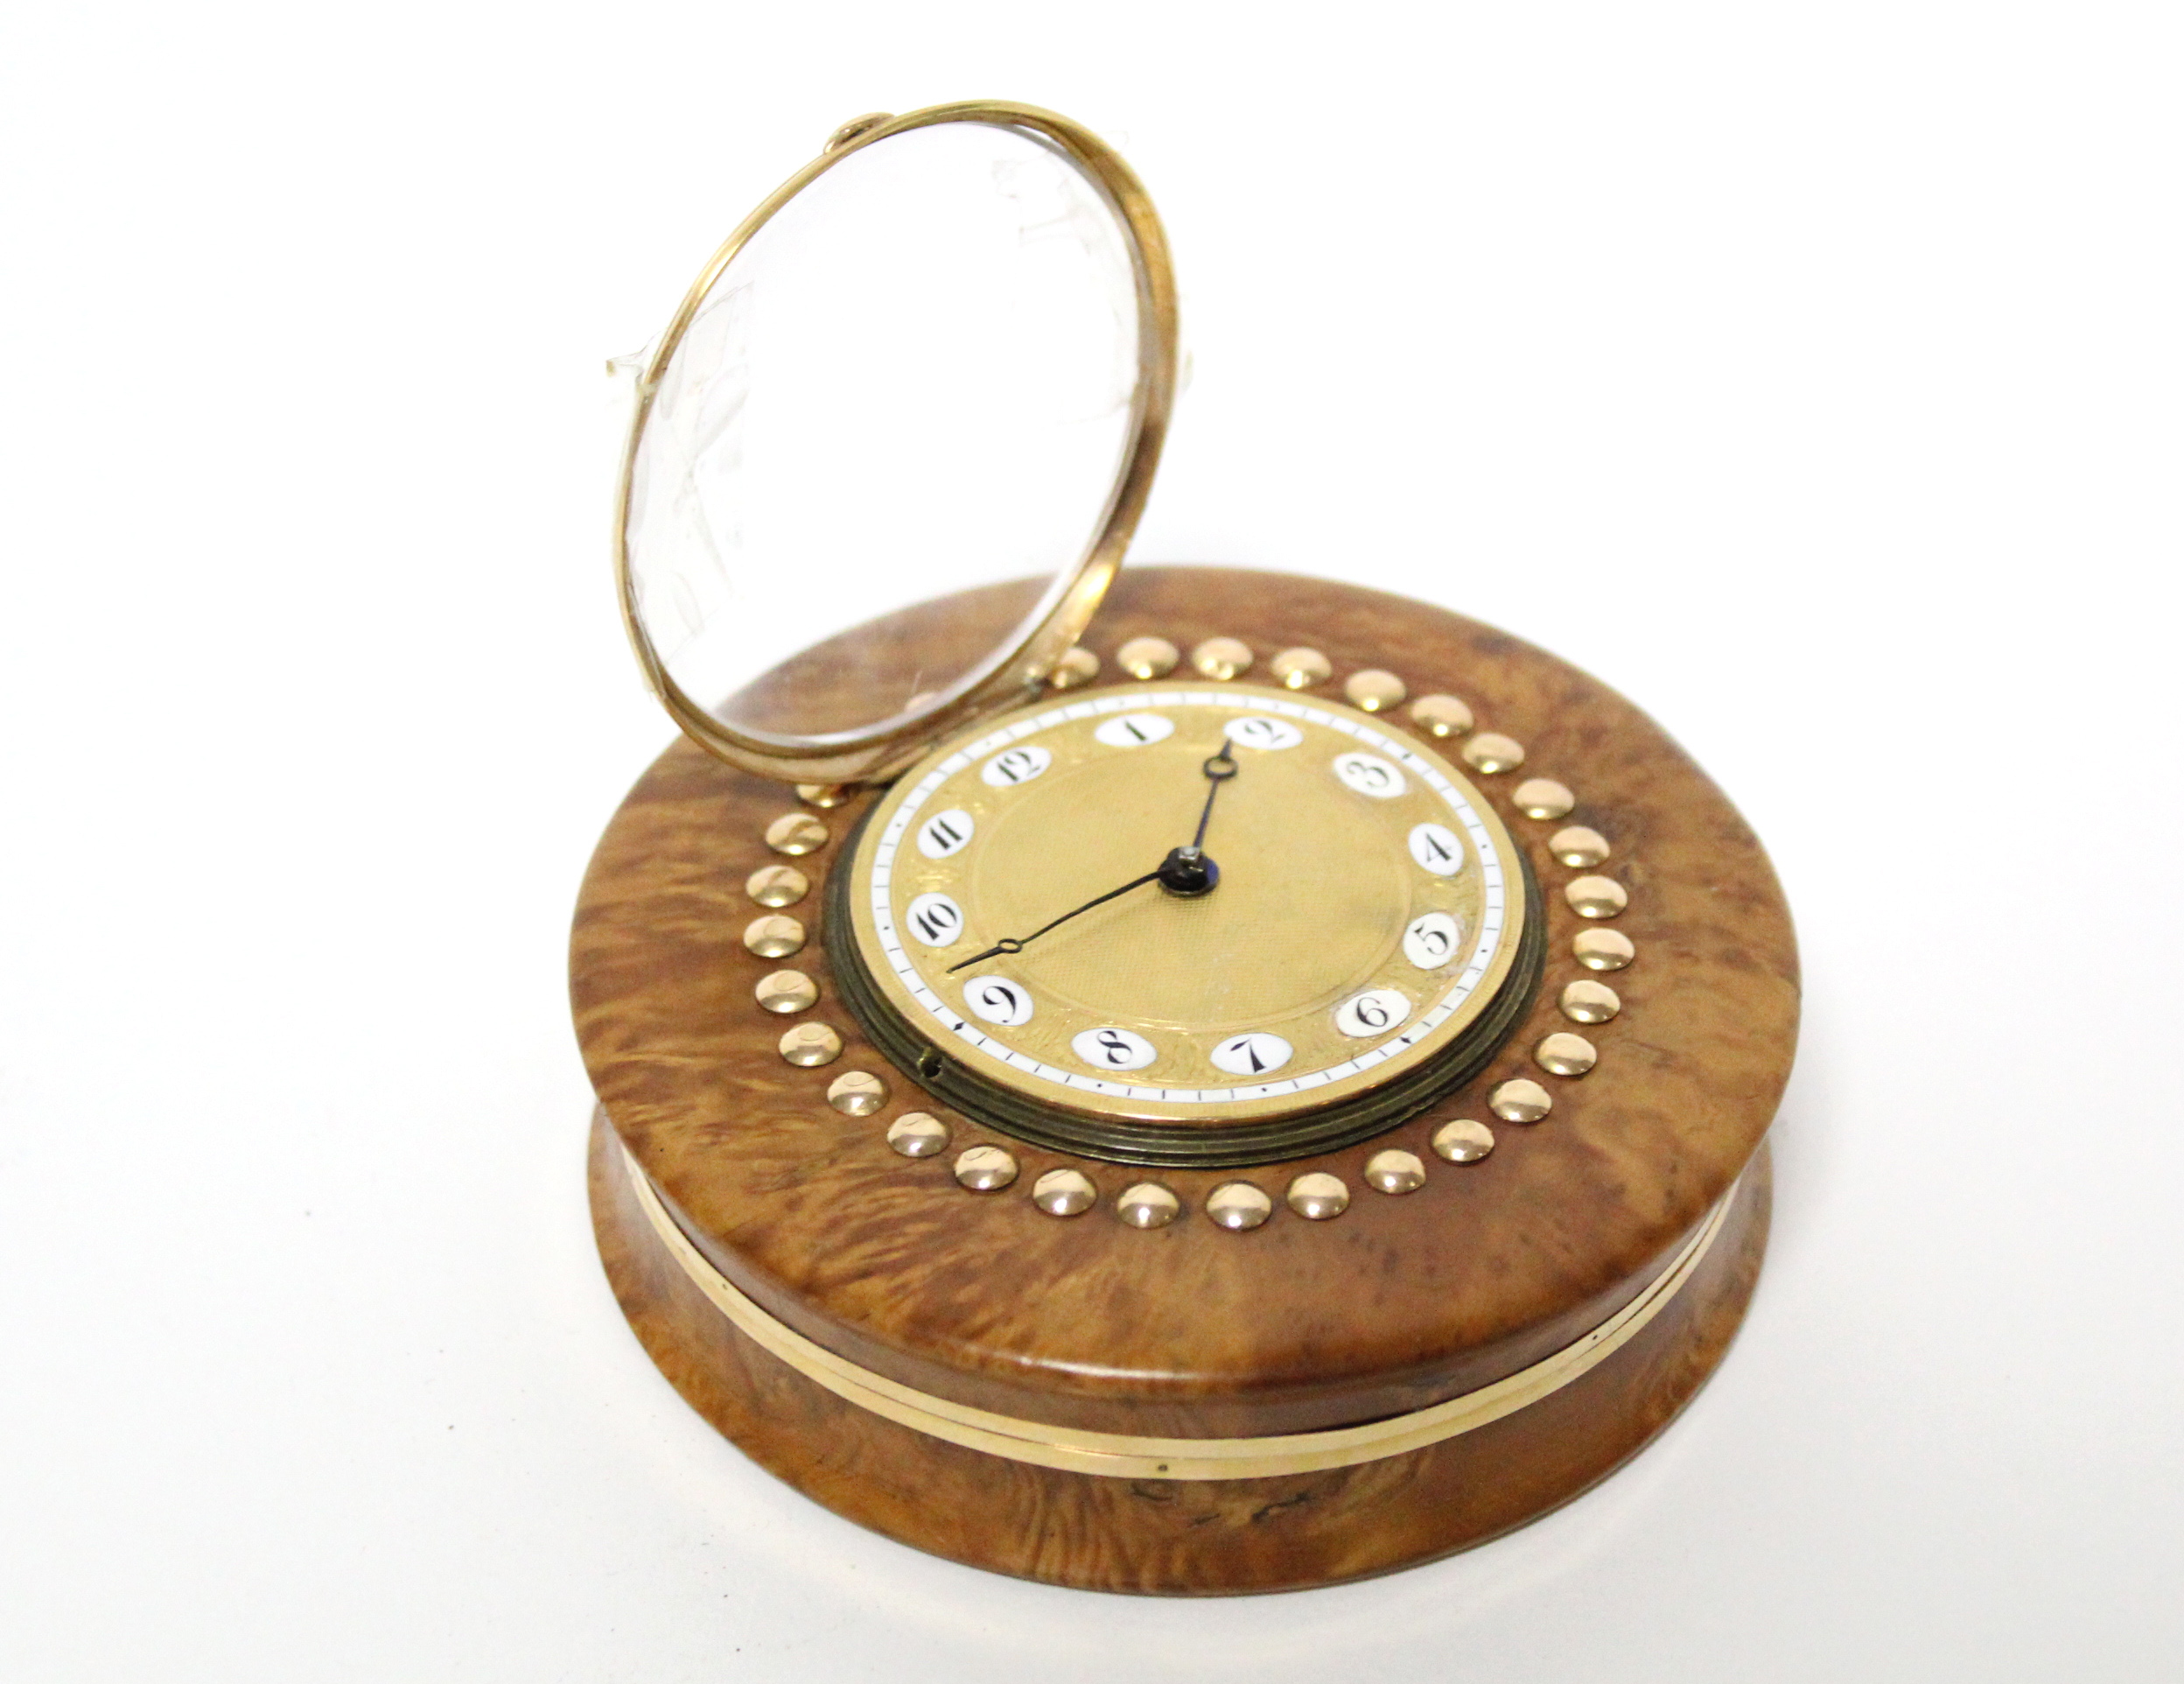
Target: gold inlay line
[(1127, 1457)]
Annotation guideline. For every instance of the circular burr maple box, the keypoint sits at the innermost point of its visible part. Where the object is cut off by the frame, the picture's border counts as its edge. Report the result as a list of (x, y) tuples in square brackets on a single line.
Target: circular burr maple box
[(1198, 1378)]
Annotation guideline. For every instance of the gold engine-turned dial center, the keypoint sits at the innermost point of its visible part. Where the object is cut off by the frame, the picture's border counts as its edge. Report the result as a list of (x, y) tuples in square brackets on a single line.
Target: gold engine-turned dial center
[(1306, 903)]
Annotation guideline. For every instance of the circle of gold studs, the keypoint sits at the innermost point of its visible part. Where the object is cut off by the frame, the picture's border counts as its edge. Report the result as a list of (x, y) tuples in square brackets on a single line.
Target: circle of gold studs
[(1237, 1206)]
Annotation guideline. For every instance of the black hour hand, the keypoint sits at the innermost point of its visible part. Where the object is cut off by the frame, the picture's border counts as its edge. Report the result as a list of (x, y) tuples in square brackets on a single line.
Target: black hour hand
[(1018, 943)]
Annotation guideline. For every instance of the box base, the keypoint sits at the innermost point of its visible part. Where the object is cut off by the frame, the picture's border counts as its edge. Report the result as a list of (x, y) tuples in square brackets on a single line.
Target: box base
[(1175, 1537)]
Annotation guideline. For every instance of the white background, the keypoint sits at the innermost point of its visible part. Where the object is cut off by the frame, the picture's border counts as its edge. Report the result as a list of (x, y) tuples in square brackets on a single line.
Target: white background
[(1811, 373)]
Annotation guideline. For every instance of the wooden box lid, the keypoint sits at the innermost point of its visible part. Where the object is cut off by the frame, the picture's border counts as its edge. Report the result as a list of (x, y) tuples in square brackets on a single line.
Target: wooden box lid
[(1190, 1330)]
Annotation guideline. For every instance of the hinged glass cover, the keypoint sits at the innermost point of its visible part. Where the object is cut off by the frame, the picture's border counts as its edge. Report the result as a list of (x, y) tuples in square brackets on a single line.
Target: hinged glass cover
[(940, 359)]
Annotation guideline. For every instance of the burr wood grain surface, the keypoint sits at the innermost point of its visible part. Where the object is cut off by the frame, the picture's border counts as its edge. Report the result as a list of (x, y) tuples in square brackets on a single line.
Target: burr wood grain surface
[(1191, 1330)]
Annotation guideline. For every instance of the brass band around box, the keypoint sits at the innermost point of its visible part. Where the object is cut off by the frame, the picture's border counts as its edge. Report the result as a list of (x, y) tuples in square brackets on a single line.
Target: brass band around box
[(1171, 1080)]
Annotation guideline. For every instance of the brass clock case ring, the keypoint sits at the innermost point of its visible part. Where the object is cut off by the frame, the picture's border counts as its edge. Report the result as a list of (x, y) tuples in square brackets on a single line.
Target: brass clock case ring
[(1014, 836)]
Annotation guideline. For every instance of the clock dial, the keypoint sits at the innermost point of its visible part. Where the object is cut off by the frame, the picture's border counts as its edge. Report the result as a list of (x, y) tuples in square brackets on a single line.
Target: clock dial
[(1034, 919)]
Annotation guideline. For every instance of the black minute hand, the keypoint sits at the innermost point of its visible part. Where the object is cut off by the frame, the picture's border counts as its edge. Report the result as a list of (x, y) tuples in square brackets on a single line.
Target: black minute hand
[(1186, 871), (1219, 769), (1017, 944)]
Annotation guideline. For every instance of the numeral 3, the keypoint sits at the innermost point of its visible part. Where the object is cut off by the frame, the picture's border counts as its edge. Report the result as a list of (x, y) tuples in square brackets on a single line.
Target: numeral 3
[(1370, 776)]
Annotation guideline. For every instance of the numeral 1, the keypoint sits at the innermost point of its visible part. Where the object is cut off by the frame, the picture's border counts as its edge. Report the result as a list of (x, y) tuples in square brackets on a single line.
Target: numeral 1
[(1135, 730)]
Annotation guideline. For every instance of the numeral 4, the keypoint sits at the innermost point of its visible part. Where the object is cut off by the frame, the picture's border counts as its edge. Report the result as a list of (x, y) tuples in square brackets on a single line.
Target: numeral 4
[(1435, 847)]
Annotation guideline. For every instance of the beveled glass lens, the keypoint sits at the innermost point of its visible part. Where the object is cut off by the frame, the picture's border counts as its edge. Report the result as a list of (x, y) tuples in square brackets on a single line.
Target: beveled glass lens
[(916, 379)]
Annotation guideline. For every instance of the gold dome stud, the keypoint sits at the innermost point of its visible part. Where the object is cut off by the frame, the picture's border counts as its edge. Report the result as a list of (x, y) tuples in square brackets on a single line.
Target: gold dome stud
[(1374, 691), (823, 795), (1441, 715), (1603, 949), (986, 1168), (1065, 1193), (1395, 1171), (1222, 657), (787, 991), (1491, 752), (1318, 1197), (809, 1044), (777, 886), (917, 1134), (1586, 1002), (1564, 1054), (1148, 1204), (1463, 1140), (795, 833), (1079, 666), (1578, 846), (773, 936), (1544, 798), (856, 1093), (1596, 897), (1300, 668), (1238, 1206), (1148, 657), (1520, 1100)]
